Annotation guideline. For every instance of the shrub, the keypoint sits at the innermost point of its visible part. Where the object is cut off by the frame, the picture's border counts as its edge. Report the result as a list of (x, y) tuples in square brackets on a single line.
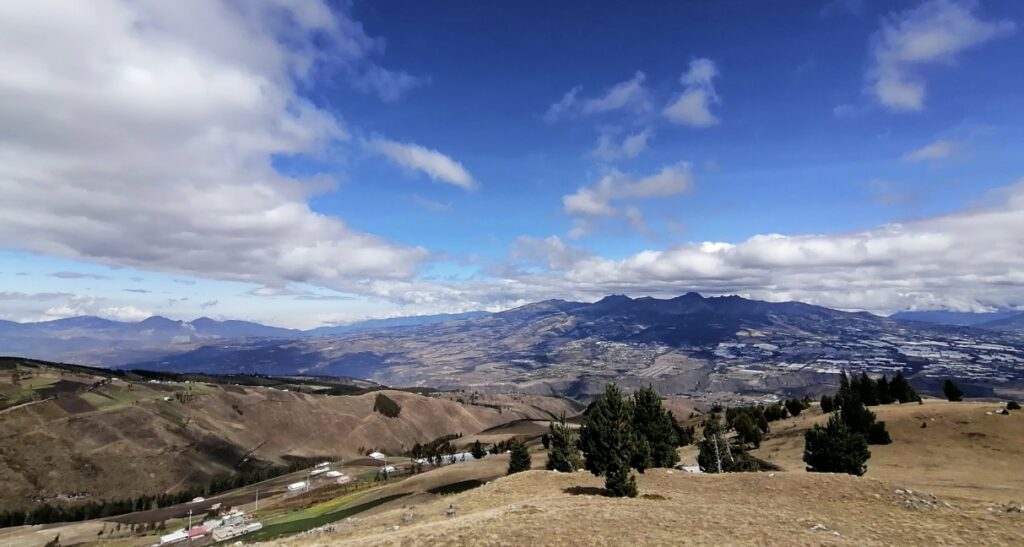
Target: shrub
[(1013, 405), (827, 404)]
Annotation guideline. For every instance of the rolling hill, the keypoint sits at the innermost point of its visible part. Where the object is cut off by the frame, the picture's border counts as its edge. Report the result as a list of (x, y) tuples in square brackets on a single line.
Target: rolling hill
[(933, 486), (87, 434)]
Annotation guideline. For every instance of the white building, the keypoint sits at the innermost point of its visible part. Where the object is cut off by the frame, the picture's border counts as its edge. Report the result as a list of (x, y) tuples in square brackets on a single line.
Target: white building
[(378, 456), (296, 486)]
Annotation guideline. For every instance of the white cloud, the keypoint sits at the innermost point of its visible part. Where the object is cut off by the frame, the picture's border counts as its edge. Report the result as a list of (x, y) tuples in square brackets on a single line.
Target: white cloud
[(629, 96), (631, 146), (141, 134), (435, 164), (693, 106), (938, 150), (935, 32), (564, 105), (124, 313), (596, 200)]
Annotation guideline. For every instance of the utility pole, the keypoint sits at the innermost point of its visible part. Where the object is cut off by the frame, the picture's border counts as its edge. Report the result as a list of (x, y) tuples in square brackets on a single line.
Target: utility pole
[(257, 499), (189, 519)]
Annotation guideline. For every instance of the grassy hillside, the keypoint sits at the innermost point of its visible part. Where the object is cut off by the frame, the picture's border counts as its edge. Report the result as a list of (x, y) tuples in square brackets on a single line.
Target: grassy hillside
[(547, 508), (74, 435), (965, 451)]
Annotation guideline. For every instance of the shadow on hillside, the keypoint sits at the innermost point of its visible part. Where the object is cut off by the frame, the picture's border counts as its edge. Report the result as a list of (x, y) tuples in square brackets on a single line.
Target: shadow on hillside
[(585, 491)]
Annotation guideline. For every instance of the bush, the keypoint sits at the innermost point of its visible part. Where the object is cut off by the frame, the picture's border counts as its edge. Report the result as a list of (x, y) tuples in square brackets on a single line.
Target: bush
[(877, 434), (827, 405), (794, 407), (386, 406), (1013, 405)]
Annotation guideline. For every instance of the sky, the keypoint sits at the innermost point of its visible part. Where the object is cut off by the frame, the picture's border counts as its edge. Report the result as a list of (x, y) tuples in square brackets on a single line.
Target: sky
[(304, 163)]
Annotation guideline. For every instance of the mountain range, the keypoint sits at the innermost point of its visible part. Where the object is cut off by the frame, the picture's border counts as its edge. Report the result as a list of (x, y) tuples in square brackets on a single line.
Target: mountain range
[(95, 340), (687, 344)]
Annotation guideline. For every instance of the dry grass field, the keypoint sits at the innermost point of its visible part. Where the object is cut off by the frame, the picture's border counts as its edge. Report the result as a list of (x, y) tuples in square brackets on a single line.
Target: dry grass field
[(547, 508), (967, 451), (949, 483)]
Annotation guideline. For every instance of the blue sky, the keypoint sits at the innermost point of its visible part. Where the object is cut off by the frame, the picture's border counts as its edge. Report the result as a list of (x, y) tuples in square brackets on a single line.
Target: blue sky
[(302, 164)]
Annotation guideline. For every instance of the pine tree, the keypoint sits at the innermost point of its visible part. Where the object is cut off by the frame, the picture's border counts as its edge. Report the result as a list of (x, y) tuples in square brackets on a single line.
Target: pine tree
[(827, 405), (884, 395), (656, 426), (794, 407), (868, 390), (714, 455), (609, 443), (859, 419), (835, 449), (478, 451), (952, 391), (519, 460), (747, 431), (900, 390), (563, 455)]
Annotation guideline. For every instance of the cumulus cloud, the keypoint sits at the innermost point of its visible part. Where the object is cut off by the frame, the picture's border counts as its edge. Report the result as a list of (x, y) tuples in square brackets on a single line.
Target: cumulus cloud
[(599, 200), (693, 106), (124, 313), (938, 150), (608, 148), (141, 134), (630, 95), (413, 156), (970, 260), (936, 32)]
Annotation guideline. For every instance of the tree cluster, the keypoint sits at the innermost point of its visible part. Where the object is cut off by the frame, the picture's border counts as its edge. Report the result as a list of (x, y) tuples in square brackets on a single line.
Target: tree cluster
[(841, 446), (623, 433), (386, 406), (716, 454)]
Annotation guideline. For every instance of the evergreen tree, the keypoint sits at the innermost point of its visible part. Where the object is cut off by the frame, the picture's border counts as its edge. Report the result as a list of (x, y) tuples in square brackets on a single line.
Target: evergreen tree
[(609, 443), (747, 431), (835, 448), (519, 459), (827, 405), (952, 391), (545, 441), (656, 426), (478, 451), (794, 406), (868, 390), (900, 390), (563, 455), (714, 455), (859, 419), (884, 395), (684, 435)]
